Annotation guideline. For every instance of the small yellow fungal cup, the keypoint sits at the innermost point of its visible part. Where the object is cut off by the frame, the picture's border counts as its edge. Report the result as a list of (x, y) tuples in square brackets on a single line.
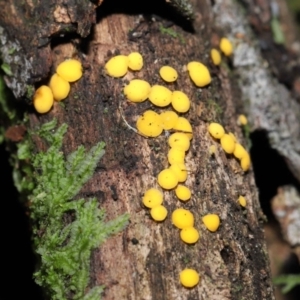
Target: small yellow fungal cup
[(215, 56), (184, 126), (183, 193), (70, 70), (137, 90), (211, 222), (180, 101), (216, 130), (152, 197), (158, 213), (117, 66), (135, 61), (182, 218), (226, 46), (242, 120), (180, 141), (60, 87), (245, 162), (227, 143), (168, 73), (169, 118), (176, 156), (180, 171), (239, 151), (149, 124), (160, 95), (242, 201), (189, 278), (189, 235), (199, 73), (43, 99), (167, 179)]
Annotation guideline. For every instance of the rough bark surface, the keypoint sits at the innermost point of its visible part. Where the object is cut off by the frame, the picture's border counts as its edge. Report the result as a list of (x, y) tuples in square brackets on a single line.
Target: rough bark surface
[(144, 261)]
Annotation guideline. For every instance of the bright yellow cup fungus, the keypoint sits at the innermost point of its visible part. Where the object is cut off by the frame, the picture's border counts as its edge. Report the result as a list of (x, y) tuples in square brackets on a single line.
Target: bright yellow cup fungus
[(189, 235), (242, 120), (70, 70), (168, 73), (158, 213), (137, 90), (152, 197), (182, 218), (184, 125), (176, 156), (216, 130), (167, 179), (149, 124), (135, 61), (183, 193), (180, 171), (239, 151), (180, 101), (199, 73), (189, 278), (233, 136), (179, 140), (227, 143), (242, 201), (60, 87), (160, 95), (215, 56), (245, 162), (211, 222), (226, 46), (117, 66), (43, 99), (169, 118)]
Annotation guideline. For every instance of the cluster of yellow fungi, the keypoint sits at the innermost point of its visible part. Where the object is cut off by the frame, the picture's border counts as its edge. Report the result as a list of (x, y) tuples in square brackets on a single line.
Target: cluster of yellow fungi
[(59, 86), (152, 124)]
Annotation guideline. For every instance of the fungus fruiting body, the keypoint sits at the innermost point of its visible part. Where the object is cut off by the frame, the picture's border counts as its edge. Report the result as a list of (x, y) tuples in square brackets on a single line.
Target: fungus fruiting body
[(189, 278), (117, 66), (242, 201), (180, 141), (227, 143), (70, 70), (137, 90), (215, 56), (60, 87), (211, 222), (245, 162), (183, 193), (226, 46), (180, 170), (233, 136), (158, 213), (152, 197), (184, 125), (169, 118), (176, 156), (160, 95), (180, 101), (239, 151), (182, 218), (149, 124), (242, 120), (199, 73), (167, 179), (135, 61), (216, 130), (168, 73), (43, 99), (189, 235)]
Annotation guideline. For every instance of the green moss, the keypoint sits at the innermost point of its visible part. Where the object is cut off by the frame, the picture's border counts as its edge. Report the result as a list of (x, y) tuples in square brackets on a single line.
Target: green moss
[(65, 245), (289, 281), (172, 33)]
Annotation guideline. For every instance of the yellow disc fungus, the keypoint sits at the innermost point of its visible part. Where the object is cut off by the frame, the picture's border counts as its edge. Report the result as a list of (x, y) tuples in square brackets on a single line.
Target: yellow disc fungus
[(135, 61), (180, 171), (176, 156), (182, 192), (226, 46), (246, 162), (117, 66), (189, 235), (180, 141), (43, 99), (149, 124), (242, 120), (184, 125), (242, 201), (239, 151), (180, 101), (160, 95), (211, 222), (227, 143), (168, 73), (152, 197), (70, 70), (169, 118), (199, 73), (137, 90), (167, 179), (189, 278), (182, 218), (60, 87), (215, 56), (216, 130), (158, 213), (233, 136)]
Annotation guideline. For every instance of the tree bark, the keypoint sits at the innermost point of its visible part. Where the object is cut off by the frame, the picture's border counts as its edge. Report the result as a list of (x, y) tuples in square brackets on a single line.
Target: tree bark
[(144, 261)]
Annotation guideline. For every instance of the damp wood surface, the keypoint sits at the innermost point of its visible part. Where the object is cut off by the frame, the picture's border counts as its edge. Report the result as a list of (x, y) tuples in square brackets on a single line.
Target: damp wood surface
[(144, 261)]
